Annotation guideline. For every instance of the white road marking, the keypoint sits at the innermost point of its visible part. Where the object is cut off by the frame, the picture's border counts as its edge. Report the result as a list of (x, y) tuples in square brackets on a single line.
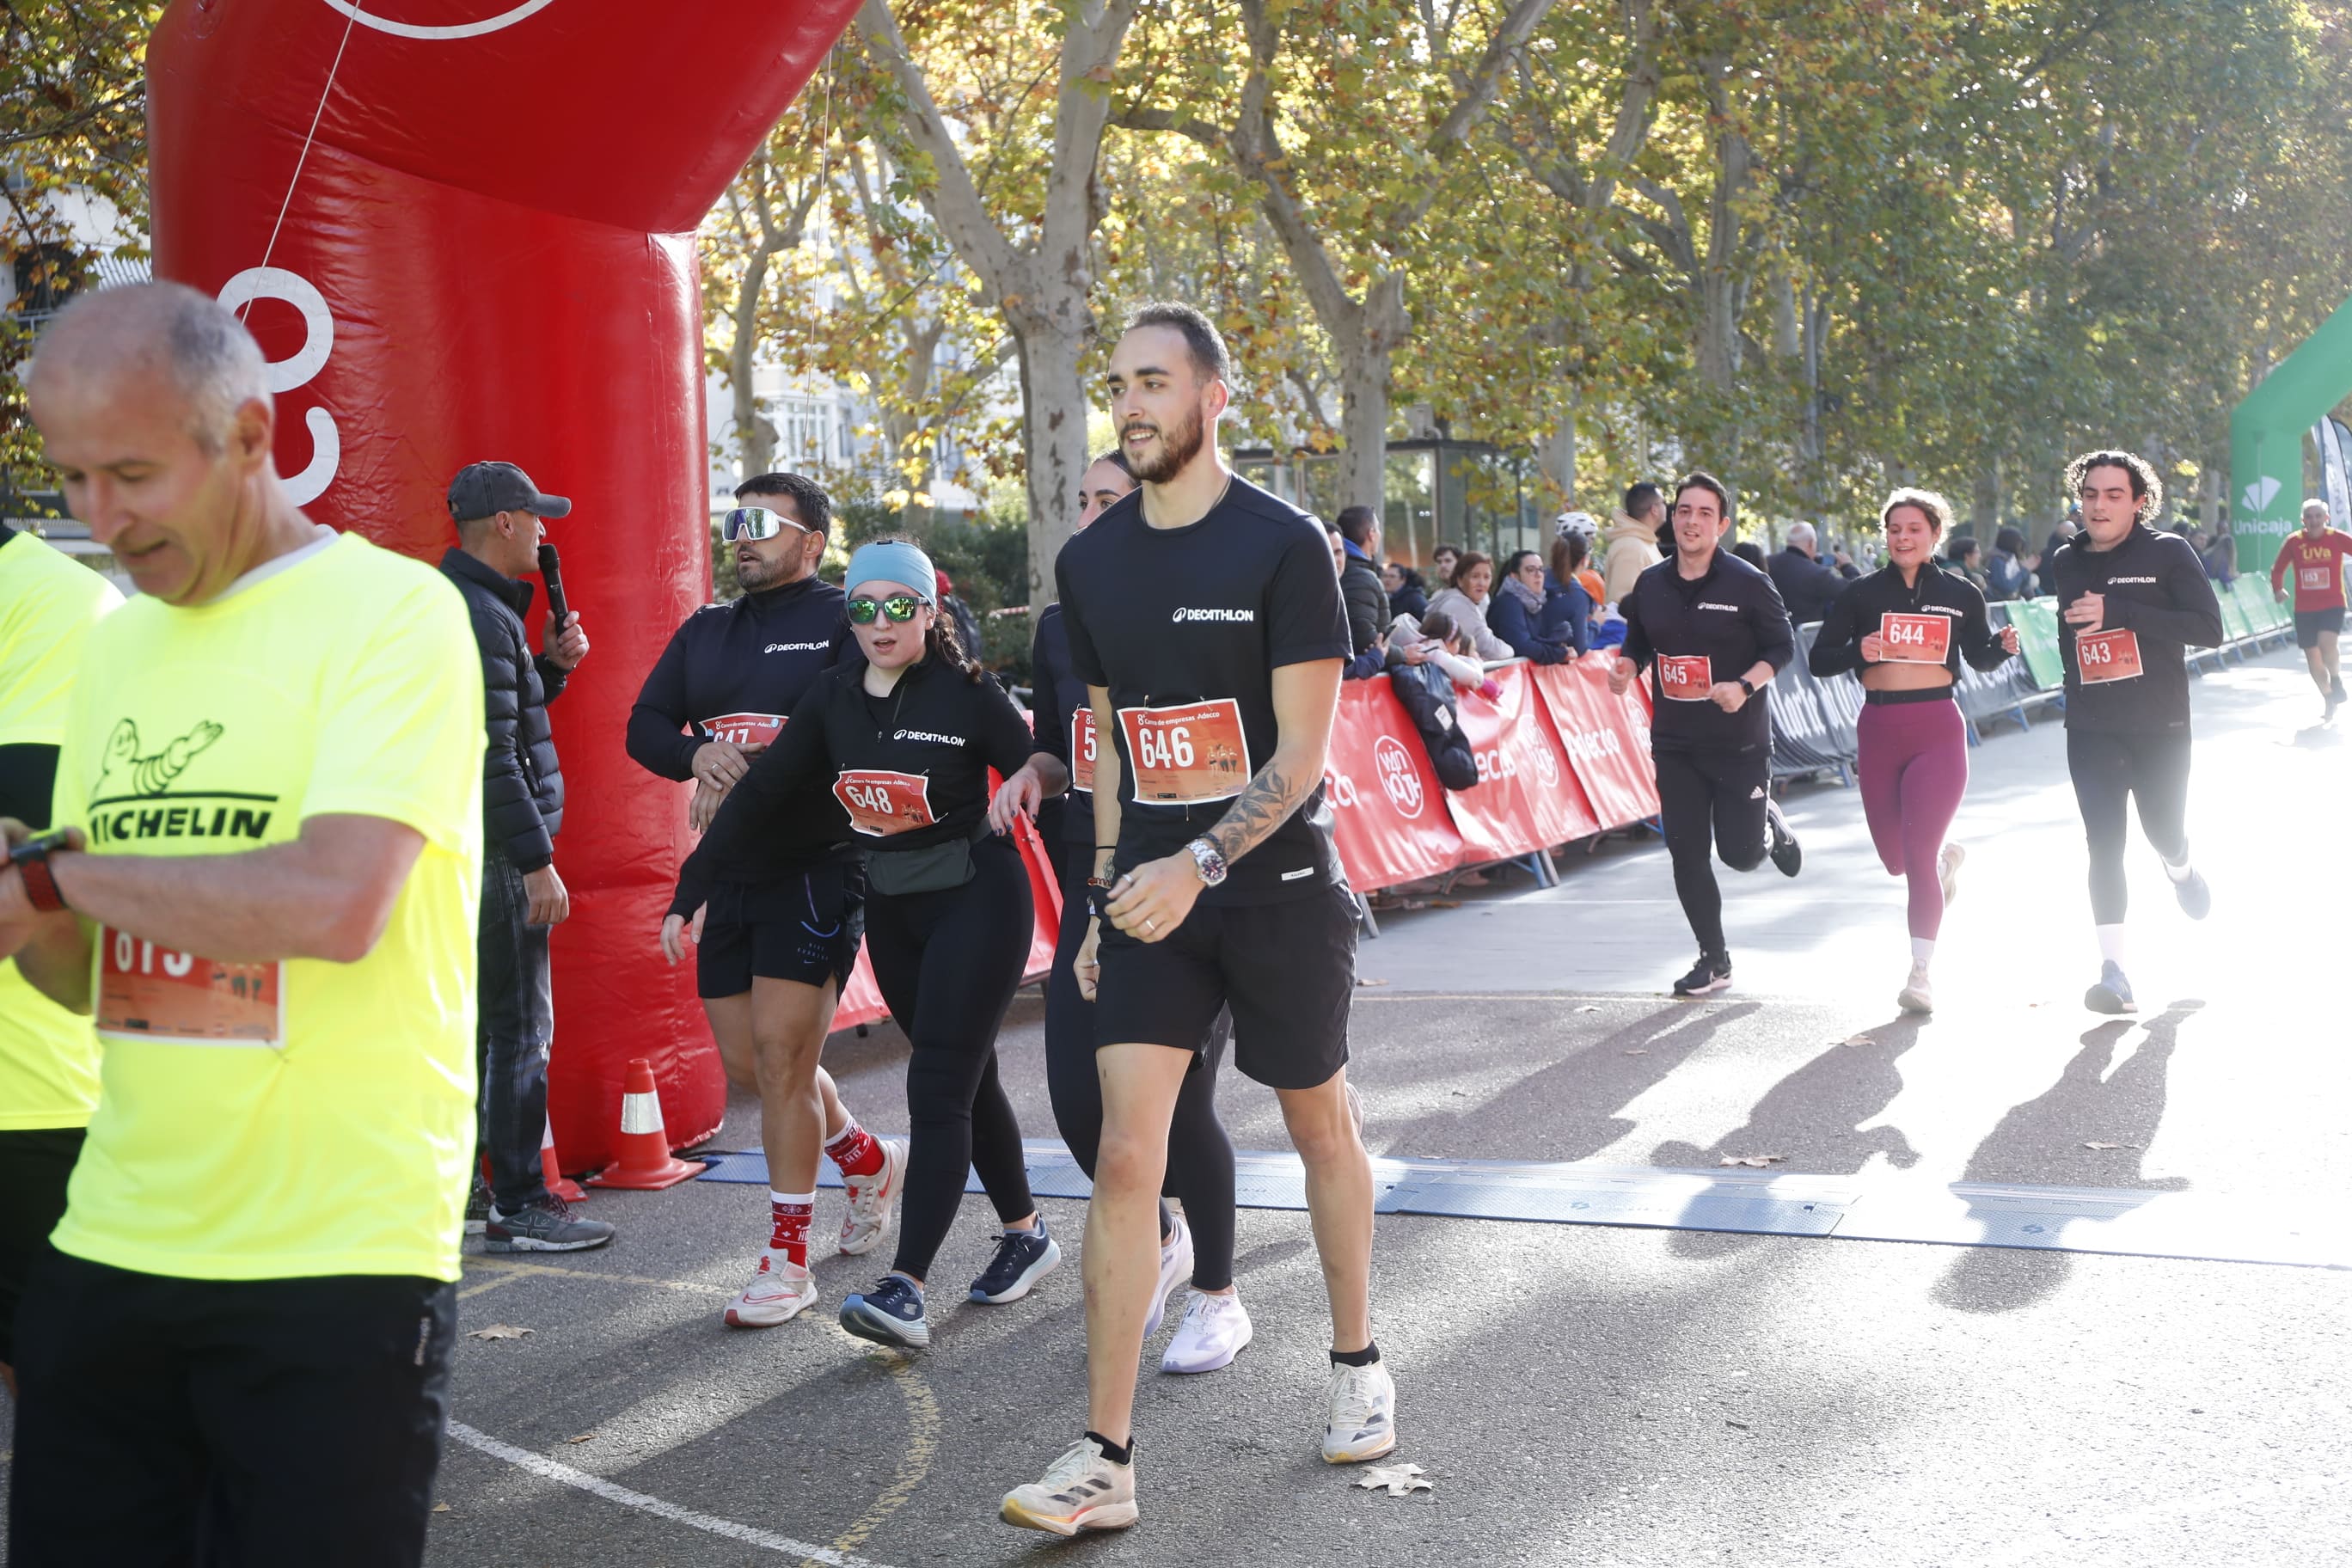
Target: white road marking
[(751, 1535)]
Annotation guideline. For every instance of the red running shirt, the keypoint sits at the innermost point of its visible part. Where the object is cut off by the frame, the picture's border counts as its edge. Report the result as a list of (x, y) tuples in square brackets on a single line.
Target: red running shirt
[(2319, 568)]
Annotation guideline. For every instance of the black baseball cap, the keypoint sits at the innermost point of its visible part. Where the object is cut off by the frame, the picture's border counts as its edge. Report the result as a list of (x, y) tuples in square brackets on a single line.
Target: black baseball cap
[(481, 490)]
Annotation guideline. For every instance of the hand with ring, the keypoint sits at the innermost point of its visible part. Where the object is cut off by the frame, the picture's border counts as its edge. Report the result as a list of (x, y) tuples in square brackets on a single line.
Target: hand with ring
[(1151, 901)]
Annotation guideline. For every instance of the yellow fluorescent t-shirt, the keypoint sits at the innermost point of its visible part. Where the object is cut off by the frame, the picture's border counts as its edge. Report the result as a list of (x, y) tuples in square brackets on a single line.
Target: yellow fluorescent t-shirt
[(303, 1118), (48, 602)]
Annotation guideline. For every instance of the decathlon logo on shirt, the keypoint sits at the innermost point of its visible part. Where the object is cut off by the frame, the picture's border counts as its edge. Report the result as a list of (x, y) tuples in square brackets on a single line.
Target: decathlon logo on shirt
[(936, 740), (2113, 581), (796, 647), (1183, 614)]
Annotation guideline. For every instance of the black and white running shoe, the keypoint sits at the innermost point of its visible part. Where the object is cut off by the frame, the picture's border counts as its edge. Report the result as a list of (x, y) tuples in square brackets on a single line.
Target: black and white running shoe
[(2113, 993), (1022, 1257), (889, 1314), (1787, 853)]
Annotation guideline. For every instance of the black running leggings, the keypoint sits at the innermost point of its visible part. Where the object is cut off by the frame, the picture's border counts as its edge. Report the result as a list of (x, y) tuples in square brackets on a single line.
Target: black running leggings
[(2152, 769), (948, 964), (1199, 1154), (1717, 796)]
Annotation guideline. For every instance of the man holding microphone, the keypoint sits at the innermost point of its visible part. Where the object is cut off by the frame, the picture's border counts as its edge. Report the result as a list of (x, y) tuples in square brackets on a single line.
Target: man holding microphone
[(499, 514)]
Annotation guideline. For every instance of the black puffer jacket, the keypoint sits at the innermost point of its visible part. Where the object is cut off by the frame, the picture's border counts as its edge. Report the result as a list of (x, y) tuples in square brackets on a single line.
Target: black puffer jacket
[(522, 784), (1366, 600)]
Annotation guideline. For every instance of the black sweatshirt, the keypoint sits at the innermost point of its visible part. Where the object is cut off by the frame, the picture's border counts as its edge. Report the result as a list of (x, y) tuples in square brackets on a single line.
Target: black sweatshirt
[(1856, 613), (1732, 617), (2156, 590), (903, 772), (1060, 699), (747, 660)]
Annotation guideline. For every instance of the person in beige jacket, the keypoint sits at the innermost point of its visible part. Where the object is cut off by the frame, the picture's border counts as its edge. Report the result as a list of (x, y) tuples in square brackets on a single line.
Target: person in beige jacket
[(1630, 545)]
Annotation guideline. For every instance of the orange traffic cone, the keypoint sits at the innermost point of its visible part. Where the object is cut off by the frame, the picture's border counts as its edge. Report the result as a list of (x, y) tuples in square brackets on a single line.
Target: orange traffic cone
[(558, 1183), (646, 1161)]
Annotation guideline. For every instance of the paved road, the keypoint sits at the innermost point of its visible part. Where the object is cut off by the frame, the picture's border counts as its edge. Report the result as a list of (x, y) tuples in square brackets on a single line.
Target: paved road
[(1582, 1395)]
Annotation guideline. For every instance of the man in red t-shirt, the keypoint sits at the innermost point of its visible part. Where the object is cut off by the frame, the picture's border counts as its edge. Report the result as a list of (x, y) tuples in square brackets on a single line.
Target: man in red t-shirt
[(2317, 556)]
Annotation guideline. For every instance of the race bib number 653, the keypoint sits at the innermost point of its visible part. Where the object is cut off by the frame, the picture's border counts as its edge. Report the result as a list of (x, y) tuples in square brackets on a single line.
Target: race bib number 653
[(1082, 750), (150, 992), (1182, 756)]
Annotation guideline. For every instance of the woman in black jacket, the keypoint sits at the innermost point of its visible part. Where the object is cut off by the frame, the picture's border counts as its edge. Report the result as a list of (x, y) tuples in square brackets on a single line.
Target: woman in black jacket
[(907, 738)]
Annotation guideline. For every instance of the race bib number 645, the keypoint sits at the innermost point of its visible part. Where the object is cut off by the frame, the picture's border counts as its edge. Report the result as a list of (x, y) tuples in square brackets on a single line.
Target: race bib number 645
[(1684, 676)]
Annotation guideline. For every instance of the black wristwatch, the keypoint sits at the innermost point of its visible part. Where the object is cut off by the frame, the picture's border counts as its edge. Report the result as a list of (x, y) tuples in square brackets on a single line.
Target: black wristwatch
[(1748, 686)]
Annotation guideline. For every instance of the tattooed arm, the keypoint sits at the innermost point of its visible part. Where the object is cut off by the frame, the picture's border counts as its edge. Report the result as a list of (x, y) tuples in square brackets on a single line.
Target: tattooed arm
[(1151, 901)]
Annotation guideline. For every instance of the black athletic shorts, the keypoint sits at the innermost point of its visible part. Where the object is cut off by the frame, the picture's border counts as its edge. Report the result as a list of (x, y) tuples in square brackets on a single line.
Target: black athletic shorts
[(35, 1164), (804, 926), (2309, 624), (1287, 970)]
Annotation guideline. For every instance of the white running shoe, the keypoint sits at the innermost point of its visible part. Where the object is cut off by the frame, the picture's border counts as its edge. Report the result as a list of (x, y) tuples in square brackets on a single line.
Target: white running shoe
[(1213, 1332), (1947, 871), (1363, 1415), (1916, 997), (1175, 1268), (780, 1291), (872, 1199), (1082, 1490)]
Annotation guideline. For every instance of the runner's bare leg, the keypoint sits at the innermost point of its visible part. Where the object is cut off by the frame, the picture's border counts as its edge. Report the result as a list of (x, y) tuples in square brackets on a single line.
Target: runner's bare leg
[(1121, 1265), (1338, 1202)]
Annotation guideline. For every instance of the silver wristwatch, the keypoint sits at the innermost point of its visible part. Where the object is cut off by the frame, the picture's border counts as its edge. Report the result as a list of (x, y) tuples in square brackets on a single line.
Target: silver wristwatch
[(1211, 864)]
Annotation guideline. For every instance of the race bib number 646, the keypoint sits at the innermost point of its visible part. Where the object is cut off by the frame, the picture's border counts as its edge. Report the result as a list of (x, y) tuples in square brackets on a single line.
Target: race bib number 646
[(1187, 754)]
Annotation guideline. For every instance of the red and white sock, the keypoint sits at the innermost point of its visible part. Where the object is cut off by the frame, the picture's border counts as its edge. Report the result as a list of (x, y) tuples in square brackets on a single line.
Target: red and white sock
[(856, 1151), (791, 1213)]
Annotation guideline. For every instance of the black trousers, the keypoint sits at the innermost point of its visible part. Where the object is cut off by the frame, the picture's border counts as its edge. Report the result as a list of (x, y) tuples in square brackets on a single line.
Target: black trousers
[(948, 964), (2150, 771), (513, 1029), (172, 1422), (35, 1163), (1719, 797), (1199, 1154)]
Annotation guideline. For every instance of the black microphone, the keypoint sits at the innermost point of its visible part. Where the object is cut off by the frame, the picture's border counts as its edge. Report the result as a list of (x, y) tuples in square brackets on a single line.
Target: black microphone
[(551, 569)]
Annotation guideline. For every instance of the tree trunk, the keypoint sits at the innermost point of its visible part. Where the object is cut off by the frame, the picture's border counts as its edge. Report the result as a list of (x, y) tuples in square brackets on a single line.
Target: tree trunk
[(1367, 345), (1054, 437), (755, 436), (1557, 458)]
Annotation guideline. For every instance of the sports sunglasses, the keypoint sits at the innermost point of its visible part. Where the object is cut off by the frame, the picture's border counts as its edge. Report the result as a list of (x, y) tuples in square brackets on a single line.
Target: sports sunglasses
[(899, 608), (756, 523)]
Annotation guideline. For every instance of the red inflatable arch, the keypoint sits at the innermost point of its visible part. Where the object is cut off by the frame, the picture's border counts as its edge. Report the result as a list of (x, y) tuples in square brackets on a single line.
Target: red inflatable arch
[(487, 251)]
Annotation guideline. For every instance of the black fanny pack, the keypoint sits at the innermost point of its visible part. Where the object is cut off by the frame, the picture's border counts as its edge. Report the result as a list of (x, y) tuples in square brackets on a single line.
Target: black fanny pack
[(934, 869)]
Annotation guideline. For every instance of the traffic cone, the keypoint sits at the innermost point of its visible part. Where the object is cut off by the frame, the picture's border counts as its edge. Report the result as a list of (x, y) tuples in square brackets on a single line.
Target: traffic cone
[(558, 1183), (646, 1161)]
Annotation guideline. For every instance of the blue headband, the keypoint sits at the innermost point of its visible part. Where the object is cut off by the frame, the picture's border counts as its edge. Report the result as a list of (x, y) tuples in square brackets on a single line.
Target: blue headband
[(890, 560)]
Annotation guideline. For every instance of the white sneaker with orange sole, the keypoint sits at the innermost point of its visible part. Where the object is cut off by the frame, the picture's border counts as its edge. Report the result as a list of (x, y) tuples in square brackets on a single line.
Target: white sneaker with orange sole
[(873, 1200)]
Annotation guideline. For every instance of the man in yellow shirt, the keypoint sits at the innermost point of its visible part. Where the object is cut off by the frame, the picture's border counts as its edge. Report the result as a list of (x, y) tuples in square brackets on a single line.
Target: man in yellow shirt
[(264, 891), (48, 1057)]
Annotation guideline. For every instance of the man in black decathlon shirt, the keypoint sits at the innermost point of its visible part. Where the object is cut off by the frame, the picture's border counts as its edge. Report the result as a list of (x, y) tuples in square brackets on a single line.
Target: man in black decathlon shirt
[(1712, 630), (779, 935), (2131, 602), (1205, 620)]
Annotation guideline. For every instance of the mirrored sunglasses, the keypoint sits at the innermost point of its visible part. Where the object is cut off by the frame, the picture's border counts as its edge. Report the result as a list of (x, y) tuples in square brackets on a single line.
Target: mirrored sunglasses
[(899, 608), (757, 522)]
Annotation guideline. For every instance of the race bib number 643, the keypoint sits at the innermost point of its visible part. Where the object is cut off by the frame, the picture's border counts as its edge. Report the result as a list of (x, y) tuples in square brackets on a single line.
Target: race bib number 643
[(2107, 655)]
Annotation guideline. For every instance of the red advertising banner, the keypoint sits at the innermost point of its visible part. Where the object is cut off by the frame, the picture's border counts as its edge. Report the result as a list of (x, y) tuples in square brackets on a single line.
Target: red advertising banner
[(1387, 807), (1606, 738), (1525, 798), (861, 1000)]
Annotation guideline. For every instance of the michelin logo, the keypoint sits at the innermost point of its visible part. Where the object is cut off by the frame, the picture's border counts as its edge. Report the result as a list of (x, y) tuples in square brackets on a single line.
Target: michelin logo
[(1183, 614)]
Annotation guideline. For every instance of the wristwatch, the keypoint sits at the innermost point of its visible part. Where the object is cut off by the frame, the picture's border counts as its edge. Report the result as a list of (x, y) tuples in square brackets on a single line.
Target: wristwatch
[(31, 859), (1210, 863), (1748, 686)]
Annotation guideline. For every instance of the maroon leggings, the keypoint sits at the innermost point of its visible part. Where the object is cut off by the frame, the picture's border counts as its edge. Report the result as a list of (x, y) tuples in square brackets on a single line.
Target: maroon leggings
[(1914, 758)]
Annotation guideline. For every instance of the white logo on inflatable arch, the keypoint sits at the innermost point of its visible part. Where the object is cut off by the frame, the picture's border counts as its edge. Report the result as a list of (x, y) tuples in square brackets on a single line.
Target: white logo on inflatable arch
[(504, 19), (2261, 492), (1400, 779), (285, 374)]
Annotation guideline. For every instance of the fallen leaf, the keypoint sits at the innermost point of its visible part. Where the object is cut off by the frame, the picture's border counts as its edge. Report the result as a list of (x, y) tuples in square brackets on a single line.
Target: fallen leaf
[(584, 1437), (1361, 981), (1741, 1425), (1589, 1007), (440, 1507), (2104, 1146), (1857, 1040), (500, 1331), (1758, 1160), (1399, 1479)]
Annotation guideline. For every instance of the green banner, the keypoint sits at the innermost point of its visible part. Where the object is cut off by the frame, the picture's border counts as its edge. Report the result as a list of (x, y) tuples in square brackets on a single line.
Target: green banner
[(2253, 597), (2233, 618), (2036, 621)]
